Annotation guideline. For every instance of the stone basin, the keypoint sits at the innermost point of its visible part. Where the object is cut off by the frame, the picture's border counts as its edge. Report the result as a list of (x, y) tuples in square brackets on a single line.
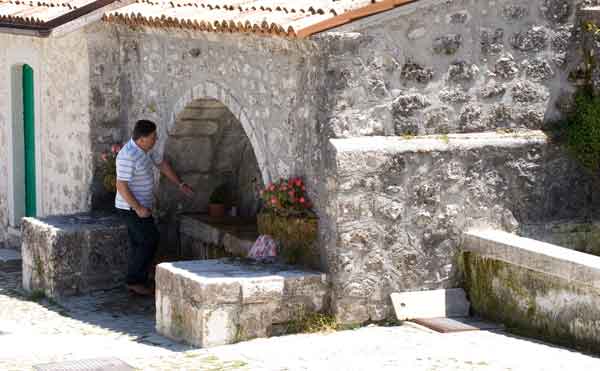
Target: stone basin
[(222, 301)]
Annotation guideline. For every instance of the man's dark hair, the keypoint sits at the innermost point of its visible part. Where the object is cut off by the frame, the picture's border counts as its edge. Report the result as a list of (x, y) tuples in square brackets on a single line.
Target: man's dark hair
[(143, 128)]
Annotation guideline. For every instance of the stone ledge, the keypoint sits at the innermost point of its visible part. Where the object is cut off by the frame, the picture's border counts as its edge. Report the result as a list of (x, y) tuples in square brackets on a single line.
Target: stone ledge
[(214, 302), (534, 255), (431, 143)]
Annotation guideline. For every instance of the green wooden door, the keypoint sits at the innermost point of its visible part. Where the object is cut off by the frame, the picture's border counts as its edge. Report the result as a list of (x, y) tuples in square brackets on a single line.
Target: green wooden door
[(29, 134)]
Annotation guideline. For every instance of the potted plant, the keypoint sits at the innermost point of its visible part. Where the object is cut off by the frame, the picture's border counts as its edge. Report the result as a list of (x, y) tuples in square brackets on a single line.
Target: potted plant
[(217, 200), (108, 168), (288, 218)]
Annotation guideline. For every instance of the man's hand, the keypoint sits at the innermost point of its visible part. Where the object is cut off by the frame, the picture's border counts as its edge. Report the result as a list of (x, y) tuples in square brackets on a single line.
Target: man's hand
[(186, 189), (143, 212)]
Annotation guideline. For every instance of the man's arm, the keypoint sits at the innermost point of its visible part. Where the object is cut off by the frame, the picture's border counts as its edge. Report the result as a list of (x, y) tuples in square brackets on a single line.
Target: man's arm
[(167, 170), (125, 192)]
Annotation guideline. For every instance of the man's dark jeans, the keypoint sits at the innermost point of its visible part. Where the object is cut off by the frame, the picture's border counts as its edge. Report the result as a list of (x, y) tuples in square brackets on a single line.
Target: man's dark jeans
[(143, 242)]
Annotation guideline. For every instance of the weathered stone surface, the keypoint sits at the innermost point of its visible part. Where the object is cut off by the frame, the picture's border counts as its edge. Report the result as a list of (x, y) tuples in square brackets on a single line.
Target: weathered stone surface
[(73, 254), (514, 12), (538, 69), (534, 38), (492, 41), (492, 90), (527, 92), (447, 44), (462, 71), (214, 302), (556, 10), (454, 96), (506, 67), (415, 72)]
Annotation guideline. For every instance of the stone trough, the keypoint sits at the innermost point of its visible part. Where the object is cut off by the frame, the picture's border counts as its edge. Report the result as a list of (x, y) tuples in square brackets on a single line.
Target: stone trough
[(73, 254), (215, 302), (205, 237)]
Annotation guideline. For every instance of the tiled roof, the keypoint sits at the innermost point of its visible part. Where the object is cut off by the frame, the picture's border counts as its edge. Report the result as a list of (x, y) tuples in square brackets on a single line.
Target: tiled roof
[(291, 18), (44, 13)]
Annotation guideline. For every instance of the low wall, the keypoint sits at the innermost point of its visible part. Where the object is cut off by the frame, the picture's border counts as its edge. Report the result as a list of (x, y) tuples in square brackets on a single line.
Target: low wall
[(534, 288)]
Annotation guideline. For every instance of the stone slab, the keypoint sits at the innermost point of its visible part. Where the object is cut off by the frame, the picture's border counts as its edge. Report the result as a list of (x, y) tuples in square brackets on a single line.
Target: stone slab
[(215, 302), (430, 304)]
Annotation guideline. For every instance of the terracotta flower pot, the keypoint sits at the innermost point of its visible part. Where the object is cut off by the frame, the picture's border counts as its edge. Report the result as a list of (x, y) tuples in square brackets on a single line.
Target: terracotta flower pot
[(216, 210)]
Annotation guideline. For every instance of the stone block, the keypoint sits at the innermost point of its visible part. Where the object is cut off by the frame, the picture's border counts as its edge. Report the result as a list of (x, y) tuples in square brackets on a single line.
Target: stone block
[(215, 302), (430, 304), (74, 254)]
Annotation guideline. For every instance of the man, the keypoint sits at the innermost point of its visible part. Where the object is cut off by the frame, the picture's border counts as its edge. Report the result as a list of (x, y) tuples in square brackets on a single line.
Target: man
[(135, 195)]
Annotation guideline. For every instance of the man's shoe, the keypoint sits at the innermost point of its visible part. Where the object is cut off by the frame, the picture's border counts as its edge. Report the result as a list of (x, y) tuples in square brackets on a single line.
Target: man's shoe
[(140, 290)]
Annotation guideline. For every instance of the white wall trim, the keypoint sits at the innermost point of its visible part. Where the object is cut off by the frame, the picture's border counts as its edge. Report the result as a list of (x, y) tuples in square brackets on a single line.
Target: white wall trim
[(29, 55)]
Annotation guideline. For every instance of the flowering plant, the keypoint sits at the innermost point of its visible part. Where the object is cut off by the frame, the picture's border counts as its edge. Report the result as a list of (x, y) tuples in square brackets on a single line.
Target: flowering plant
[(108, 168), (287, 197)]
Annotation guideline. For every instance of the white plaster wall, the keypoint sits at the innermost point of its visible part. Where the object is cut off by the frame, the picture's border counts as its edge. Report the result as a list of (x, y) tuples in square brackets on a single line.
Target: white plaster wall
[(63, 155)]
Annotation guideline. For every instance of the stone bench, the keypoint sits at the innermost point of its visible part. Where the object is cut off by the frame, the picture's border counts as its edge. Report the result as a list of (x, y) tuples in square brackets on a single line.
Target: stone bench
[(73, 254), (214, 302), (205, 237)]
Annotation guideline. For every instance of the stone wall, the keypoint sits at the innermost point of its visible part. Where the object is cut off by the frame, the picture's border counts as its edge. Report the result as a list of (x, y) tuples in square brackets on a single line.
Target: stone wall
[(162, 72), (451, 67), (63, 158), (446, 70), (402, 204)]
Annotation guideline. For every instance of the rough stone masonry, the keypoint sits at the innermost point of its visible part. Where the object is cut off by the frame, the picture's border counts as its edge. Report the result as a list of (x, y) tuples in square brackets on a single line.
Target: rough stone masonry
[(407, 126)]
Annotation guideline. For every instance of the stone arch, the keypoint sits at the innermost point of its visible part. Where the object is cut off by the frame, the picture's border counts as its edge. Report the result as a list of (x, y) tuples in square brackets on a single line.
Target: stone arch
[(213, 90)]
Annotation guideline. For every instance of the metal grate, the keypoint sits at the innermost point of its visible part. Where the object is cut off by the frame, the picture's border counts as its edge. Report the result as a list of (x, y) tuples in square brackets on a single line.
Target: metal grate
[(446, 325), (95, 364)]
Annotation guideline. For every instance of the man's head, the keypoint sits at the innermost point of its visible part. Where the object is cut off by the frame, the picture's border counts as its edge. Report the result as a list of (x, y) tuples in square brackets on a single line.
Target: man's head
[(144, 134)]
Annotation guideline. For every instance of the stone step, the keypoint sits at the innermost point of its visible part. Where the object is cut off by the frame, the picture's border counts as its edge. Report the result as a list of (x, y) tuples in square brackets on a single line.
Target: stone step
[(430, 304), (10, 260)]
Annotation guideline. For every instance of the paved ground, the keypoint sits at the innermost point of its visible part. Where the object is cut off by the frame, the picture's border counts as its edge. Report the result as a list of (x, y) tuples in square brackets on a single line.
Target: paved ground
[(113, 324)]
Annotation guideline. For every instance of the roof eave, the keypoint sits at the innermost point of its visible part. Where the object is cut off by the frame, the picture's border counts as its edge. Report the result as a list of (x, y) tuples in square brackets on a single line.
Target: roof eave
[(45, 29)]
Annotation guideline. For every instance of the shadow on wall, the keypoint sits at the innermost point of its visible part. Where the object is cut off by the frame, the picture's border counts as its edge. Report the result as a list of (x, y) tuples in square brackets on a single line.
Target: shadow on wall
[(207, 147)]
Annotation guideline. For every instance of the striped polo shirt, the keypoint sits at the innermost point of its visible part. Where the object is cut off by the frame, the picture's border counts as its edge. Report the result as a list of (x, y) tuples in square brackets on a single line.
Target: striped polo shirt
[(136, 167)]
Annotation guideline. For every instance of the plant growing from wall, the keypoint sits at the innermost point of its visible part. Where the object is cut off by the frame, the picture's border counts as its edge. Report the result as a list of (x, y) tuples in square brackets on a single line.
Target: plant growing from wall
[(108, 168), (583, 130), (582, 126)]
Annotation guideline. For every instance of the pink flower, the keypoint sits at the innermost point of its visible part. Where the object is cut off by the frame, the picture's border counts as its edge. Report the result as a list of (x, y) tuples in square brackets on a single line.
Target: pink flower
[(291, 193), (302, 200), (104, 156), (115, 148), (298, 182), (274, 200)]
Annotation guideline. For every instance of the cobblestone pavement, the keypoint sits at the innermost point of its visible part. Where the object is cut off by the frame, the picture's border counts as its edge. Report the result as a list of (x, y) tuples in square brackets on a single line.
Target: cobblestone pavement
[(113, 324)]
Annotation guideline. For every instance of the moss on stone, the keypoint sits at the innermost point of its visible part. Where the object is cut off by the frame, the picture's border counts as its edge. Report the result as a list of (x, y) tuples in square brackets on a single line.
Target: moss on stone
[(506, 293)]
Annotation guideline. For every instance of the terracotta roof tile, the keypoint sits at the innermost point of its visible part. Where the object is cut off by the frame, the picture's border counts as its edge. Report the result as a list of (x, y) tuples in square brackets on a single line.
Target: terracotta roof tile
[(44, 13), (291, 18)]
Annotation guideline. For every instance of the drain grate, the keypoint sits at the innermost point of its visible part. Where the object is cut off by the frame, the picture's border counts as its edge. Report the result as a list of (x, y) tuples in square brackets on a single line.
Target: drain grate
[(446, 325), (95, 364)]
